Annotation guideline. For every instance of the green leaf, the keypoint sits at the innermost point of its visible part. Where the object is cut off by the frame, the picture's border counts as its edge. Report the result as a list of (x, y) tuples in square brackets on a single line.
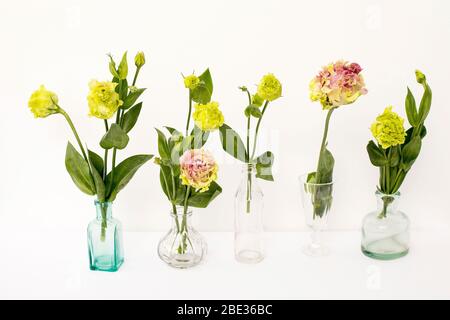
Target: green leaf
[(201, 94), (324, 173), (321, 187), (394, 159), (311, 178), (410, 152), (163, 147), (207, 80), (130, 117), (178, 149), (112, 67), (409, 134), (165, 178), (122, 89), (124, 172), (79, 171), (199, 137), (96, 175), (116, 137), (176, 137), (132, 98), (411, 109), (376, 155), (203, 199), (425, 104), (173, 131), (96, 160), (321, 194), (123, 67), (264, 165), (232, 143), (253, 110), (423, 132)]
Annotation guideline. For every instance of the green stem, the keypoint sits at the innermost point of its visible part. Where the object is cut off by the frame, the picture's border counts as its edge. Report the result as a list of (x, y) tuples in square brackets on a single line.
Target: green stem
[(74, 132), (171, 198), (247, 156), (189, 113), (249, 175), (104, 223), (249, 188), (388, 172), (398, 180), (174, 191), (185, 207), (135, 76), (382, 186), (121, 111), (184, 221), (257, 129), (324, 141), (105, 166), (174, 210), (118, 115), (387, 200)]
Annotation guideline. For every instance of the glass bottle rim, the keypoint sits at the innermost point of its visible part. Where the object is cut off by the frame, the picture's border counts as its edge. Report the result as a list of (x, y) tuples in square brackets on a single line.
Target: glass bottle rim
[(381, 194), (97, 202), (303, 178), (180, 210), (246, 165)]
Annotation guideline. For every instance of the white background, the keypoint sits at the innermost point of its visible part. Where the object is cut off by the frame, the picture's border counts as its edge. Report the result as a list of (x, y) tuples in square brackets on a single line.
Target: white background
[(63, 44)]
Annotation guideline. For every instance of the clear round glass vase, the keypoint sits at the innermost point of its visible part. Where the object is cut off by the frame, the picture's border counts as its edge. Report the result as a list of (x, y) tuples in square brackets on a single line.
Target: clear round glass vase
[(105, 240), (317, 199), (385, 232), (248, 218), (183, 246)]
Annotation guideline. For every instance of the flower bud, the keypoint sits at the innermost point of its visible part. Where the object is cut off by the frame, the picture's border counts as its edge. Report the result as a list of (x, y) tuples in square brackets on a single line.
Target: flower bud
[(257, 100), (133, 89), (420, 77), (157, 161), (139, 59), (191, 82)]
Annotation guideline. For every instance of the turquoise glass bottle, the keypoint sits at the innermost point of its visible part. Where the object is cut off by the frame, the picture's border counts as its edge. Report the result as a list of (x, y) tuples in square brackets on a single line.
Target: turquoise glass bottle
[(105, 240)]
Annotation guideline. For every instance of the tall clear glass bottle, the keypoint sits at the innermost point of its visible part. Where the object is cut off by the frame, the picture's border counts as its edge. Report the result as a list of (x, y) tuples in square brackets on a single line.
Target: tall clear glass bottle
[(105, 240), (385, 232), (248, 225)]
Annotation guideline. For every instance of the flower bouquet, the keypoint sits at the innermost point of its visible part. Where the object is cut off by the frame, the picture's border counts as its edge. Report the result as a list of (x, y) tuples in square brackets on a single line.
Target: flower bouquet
[(337, 84), (188, 173), (386, 231), (88, 170), (249, 197)]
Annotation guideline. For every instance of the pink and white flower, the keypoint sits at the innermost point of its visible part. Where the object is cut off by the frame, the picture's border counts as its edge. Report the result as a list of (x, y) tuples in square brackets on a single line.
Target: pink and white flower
[(198, 169), (338, 84)]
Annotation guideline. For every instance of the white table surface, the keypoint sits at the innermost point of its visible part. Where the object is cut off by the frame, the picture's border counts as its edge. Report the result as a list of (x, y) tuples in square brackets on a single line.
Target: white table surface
[(49, 265)]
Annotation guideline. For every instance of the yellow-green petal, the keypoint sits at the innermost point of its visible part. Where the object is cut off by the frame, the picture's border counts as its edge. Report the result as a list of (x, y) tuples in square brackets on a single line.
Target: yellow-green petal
[(43, 103)]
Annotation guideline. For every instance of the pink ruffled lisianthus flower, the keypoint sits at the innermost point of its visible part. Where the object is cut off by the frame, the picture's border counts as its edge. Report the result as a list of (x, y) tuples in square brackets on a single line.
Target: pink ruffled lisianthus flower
[(338, 84), (198, 169)]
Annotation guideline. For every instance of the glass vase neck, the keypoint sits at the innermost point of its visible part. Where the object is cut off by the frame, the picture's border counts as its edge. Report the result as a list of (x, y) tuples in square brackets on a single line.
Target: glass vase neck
[(249, 168), (103, 209), (387, 202), (180, 211)]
